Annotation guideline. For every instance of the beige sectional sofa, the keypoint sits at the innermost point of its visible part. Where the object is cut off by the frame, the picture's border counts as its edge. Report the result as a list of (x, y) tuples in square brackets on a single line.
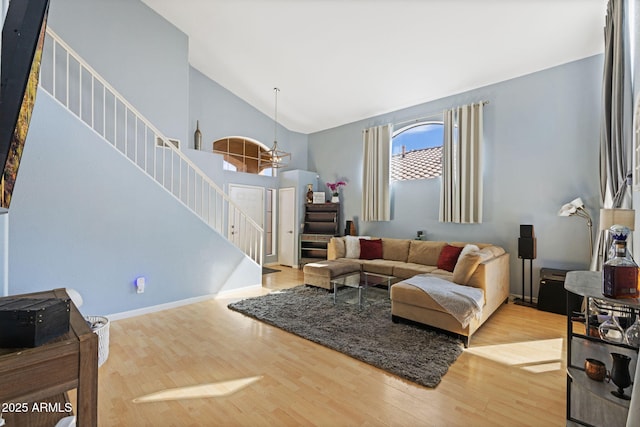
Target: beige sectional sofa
[(486, 267)]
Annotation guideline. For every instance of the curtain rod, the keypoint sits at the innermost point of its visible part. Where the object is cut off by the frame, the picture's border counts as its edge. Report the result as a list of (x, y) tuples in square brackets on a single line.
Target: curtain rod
[(428, 116)]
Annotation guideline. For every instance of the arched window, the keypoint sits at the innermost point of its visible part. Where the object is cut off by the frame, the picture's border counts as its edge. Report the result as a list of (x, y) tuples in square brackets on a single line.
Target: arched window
[(241, 155), (416, 151)]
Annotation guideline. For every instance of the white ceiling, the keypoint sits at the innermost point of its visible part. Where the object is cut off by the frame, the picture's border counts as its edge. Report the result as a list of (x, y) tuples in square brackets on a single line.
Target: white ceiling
[(338, 61)]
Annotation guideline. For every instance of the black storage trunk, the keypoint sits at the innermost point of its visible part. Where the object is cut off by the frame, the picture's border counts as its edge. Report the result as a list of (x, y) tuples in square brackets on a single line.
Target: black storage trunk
[(30, 322)]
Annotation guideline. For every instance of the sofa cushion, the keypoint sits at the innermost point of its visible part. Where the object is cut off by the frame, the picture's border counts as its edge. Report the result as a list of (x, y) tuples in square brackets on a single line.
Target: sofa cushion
[(443, 274), (330, 269), (356, 261), (338, 245), (463, 244), (470, 247), (370, 249), (424, 252), (465, 267), (491, 251), (409, 269), (395, 249), (448, 257), (352, 246), (380, 266)]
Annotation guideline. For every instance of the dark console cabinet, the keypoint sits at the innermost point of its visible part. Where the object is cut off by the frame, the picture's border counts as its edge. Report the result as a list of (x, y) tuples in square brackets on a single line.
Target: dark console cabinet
[(552, 296)]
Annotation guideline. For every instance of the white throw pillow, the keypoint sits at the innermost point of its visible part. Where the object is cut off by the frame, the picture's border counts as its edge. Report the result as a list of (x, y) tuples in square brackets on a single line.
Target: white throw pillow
[(352, 246), (468, 249)]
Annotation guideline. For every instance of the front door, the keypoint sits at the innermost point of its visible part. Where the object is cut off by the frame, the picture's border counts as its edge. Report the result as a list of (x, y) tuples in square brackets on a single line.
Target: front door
[(249, 200)]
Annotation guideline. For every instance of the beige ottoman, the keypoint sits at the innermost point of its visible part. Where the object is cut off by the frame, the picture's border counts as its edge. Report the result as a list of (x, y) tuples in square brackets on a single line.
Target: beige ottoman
[(321, 273)]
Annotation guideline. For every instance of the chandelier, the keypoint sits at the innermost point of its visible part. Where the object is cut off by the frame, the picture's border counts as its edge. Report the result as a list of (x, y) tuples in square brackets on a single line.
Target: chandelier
[(274, 158)]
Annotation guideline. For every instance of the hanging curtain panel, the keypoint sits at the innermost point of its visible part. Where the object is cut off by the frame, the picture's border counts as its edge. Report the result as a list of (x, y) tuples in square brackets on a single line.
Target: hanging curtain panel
[(461, 193), (376, 200), (615, 153), (448, 189)]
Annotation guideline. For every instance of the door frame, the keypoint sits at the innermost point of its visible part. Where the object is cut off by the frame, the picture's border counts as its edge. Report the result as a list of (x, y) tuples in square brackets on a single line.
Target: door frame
[(294, 251)]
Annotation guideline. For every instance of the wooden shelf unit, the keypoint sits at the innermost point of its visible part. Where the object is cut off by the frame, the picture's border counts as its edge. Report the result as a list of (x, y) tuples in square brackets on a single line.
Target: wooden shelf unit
[(321, 223)]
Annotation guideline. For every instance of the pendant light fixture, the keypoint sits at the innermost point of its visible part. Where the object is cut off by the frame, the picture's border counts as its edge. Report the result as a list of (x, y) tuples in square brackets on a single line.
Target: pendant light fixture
[(274, 158)]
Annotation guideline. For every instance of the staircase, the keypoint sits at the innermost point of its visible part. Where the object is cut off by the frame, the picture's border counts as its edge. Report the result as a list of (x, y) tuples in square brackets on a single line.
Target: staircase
[(81, 90)]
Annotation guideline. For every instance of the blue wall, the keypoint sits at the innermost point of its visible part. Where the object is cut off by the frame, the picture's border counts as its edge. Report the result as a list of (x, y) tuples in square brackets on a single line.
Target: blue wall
[(105, 222), (541, 151), (137, 51), (222, 114), (83, 216)]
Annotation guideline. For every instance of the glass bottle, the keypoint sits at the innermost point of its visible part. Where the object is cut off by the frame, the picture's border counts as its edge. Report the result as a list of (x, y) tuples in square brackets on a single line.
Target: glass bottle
[(620, 272), (197, 137)]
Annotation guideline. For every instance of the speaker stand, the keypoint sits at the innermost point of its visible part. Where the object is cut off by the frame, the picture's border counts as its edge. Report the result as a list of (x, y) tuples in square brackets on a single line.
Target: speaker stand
[(523, 300)]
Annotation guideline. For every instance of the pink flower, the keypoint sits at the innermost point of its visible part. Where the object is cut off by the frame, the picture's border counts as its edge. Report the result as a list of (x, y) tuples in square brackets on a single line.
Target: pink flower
[(335, 186)]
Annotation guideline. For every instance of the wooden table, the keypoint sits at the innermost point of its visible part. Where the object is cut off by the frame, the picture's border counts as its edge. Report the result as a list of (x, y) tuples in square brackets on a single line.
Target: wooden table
[(45, 373)]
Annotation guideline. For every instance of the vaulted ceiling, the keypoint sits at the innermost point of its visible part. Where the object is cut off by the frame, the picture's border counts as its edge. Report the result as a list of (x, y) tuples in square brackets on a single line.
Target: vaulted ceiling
[(338, 61)]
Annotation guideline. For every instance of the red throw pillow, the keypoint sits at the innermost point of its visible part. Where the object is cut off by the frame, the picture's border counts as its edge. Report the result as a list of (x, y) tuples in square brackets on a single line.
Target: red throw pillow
[(370, 249), (448, 257)]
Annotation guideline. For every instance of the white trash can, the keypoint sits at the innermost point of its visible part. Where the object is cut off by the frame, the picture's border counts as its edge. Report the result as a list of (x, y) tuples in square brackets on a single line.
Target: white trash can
[(100, 326)]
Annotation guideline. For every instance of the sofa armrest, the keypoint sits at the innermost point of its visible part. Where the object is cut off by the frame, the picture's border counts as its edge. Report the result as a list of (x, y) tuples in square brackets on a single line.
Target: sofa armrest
[(335, 248), (492, 276)]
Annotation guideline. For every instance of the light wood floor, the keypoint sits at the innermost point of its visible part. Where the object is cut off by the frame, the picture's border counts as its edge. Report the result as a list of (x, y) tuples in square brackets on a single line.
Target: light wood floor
[(217, 367)]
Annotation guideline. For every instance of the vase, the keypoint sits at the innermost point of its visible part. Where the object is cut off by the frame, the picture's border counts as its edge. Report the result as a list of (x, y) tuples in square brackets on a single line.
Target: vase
[(620, 375), (197, 137), (335, 199)]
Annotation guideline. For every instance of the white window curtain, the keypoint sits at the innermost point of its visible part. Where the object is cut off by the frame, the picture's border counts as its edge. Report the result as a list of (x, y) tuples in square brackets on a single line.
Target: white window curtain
[(376, 200), (461, 193), (615, 127)]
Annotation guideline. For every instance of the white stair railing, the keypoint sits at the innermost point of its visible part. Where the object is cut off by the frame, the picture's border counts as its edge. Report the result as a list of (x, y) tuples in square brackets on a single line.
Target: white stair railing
[(80, 89)]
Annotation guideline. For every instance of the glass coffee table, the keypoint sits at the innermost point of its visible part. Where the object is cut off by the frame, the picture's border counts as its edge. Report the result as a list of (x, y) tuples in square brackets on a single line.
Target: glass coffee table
[(361, 281)]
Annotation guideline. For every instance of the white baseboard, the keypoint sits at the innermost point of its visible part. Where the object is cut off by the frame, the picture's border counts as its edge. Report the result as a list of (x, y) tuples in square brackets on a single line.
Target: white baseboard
[(233, 291), (159, 307), (513, 297), (173, 304)]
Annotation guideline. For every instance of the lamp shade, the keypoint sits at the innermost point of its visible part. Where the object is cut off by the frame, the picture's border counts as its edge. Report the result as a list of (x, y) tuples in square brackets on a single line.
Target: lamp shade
[(577, 202), (567, 210), (609, 217), (570, 208)]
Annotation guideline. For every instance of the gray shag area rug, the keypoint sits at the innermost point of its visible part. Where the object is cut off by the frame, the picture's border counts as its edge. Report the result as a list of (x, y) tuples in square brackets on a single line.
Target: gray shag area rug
[(368, 334)]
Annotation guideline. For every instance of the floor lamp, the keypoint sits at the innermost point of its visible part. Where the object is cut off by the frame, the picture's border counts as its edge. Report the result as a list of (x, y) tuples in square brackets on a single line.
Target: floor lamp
[(576, 207)]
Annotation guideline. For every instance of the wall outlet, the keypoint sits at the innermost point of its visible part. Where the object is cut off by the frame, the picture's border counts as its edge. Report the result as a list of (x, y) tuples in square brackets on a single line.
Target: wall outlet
[(140, 282)]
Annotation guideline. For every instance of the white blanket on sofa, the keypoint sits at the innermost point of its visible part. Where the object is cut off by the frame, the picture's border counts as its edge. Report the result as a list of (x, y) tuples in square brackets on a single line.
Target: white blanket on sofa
[(462, 302)]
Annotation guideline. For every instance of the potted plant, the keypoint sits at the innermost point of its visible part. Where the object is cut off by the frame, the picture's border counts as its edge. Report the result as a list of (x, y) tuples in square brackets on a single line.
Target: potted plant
[(335, 188)]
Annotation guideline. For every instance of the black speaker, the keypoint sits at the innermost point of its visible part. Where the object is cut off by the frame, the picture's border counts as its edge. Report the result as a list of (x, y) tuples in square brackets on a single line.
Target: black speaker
[(526, 231), (350, 229), (527, 247)]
